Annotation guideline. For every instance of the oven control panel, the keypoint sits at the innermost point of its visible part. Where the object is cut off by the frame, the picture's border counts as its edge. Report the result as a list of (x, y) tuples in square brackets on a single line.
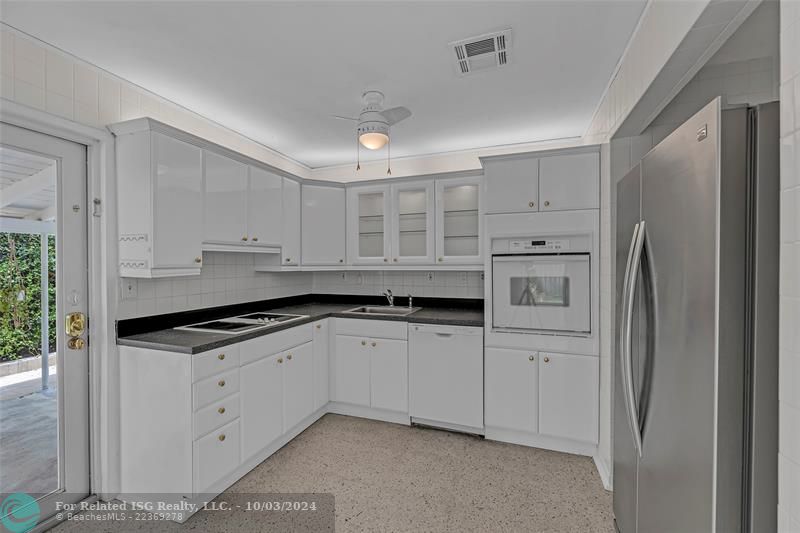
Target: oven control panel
[(538, 245)]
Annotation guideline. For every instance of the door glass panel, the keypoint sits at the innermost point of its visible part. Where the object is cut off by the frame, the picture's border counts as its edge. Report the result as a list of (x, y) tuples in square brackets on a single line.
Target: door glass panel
[(28, 385), (460, 205), (413, 222), (370, 225)]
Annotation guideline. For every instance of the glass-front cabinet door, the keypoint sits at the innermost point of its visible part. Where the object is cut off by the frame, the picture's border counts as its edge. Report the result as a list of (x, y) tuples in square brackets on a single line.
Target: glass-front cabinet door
[(412, 223), (459, 234), (368, 211)]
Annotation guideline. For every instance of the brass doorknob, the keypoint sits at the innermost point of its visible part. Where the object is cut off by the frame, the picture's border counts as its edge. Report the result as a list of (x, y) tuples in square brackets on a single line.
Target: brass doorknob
[(76, 343), (221, 410), (221, 383)]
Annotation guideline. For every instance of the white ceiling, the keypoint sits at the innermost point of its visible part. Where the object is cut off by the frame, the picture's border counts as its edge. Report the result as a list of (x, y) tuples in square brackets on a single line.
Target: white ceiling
[(275, 71)]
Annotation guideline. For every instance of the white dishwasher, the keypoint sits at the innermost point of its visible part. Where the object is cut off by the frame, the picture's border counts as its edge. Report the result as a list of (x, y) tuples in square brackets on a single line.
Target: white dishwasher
[(445, 376)]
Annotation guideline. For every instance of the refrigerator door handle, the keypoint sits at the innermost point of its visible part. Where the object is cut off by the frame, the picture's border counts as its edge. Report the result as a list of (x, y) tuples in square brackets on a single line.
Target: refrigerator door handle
[(629, 292)]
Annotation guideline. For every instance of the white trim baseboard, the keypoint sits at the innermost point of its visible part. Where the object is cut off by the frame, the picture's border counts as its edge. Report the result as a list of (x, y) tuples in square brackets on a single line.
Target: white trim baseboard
[(604, 471), (536, 440)]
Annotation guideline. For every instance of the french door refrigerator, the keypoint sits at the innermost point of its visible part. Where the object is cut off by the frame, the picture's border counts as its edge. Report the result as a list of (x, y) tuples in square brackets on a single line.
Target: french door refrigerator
[(695, 394)]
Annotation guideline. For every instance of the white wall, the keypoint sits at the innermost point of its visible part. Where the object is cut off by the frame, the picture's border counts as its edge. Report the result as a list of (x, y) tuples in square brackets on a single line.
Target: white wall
[(789, 392)]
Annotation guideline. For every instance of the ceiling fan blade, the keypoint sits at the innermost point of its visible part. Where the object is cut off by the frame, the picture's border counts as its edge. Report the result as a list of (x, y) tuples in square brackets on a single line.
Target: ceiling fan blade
[(396, 114), (340, 117)]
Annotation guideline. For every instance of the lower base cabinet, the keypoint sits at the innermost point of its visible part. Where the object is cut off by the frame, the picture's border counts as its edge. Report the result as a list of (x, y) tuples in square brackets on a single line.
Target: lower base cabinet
[(261, 404), (371, 372), (556, 395), (298, 385), (215, 455)]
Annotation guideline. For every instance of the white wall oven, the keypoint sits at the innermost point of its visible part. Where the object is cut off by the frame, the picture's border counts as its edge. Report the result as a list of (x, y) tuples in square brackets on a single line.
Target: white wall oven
[(542, 285)]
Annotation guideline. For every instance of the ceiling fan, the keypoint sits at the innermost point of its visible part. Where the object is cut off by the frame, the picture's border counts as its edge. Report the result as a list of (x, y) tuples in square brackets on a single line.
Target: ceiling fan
[(374, 122)]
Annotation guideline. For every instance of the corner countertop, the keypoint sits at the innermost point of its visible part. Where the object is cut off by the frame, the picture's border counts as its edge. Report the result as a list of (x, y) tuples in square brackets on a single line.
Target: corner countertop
[(191, 342)]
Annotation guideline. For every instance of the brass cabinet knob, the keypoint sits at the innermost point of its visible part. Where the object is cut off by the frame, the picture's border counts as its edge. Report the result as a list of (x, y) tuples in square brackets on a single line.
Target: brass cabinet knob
[(222, 437), (280, 359), (531, 204), (363, 343), (395, 260), (319, 326), (198, 259), (547, 203), (244, 238), (254, 239), (441, 259), (385, 260), (221, 357), (288, 259), (531, 358), (374, 344), (289, 357), (221, 410), (221, 383), (341, 260), (546, 359)]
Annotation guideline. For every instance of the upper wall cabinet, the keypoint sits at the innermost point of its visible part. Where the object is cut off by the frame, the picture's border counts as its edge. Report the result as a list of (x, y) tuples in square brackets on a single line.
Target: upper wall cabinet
[(569, 182), (542, 182), (323, 225), (512, 184), (412, 222), (368, 224), (242, 205), (290, 228), (160, 212), (459, 231)]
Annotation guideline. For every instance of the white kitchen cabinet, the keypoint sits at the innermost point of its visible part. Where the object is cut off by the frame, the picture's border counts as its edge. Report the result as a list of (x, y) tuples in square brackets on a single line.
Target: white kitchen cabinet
[(369, 224), (412, 207), (511, 389), (225, 198), (290, 244), (568, 396), (388, 374), (323, 225), (351, 373), (459, 228), (215, 456), (569, 182), (261, 404), (264, 208), (321, 339), (298, 385), (512, 183), (160, 215)]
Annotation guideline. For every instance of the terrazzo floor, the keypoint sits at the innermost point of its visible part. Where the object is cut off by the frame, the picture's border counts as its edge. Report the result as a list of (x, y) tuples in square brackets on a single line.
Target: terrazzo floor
[(387, 477)]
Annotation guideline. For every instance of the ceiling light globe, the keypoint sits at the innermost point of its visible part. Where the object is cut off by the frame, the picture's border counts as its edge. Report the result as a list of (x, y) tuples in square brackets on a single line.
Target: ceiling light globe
[(373, 140)]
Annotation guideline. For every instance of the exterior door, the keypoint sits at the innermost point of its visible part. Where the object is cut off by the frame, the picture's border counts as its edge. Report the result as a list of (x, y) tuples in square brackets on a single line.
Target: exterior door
[(44, 415)]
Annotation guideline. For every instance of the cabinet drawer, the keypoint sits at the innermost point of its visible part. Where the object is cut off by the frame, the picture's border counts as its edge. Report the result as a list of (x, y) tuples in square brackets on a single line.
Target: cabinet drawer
[(273, 343), (215, 456), (214, 361), (215, 415), (379, 329), (215, 388)]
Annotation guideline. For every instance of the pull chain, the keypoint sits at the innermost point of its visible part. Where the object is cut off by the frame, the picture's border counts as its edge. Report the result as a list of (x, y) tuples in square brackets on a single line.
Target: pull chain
[(358, 153), (389, 156)]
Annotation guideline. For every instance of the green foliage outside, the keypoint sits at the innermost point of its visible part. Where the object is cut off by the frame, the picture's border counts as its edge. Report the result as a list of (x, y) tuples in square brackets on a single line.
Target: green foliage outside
[(20, 295)]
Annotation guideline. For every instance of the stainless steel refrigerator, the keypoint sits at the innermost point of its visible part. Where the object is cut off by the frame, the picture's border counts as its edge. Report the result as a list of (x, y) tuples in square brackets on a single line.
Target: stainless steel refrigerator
[(695, 392)]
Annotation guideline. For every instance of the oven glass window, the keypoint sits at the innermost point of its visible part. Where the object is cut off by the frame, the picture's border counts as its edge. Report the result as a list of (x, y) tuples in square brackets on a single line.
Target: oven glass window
[(540, 290)]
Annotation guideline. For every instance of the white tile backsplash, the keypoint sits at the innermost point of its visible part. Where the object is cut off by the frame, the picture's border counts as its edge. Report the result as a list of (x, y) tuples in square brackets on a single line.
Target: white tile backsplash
[(226, 278), (457, 284), (789, 369)]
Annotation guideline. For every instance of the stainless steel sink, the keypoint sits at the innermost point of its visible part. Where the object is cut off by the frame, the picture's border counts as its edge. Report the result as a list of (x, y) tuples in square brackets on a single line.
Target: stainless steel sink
[(385, 310)]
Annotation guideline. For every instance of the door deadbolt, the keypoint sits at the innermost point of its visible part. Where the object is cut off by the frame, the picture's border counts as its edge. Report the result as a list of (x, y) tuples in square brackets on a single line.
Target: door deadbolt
[(75, 324)]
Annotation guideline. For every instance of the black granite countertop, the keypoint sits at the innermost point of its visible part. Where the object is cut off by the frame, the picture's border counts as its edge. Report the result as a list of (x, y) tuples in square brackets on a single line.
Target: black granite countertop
[(158, 333)]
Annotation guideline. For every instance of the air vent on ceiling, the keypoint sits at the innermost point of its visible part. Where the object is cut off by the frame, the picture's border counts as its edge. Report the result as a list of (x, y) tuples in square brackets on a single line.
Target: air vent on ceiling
[(487, 51)]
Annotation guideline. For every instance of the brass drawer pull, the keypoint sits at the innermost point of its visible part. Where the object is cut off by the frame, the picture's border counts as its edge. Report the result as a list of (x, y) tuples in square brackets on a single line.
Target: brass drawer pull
[(221, 357), (221, 383), (280, 359), (374, 344), (221, 410), (222, 437), (319, 326), (531, 204), (546, 359), (289, 357), (363, 343), (531, 358)]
